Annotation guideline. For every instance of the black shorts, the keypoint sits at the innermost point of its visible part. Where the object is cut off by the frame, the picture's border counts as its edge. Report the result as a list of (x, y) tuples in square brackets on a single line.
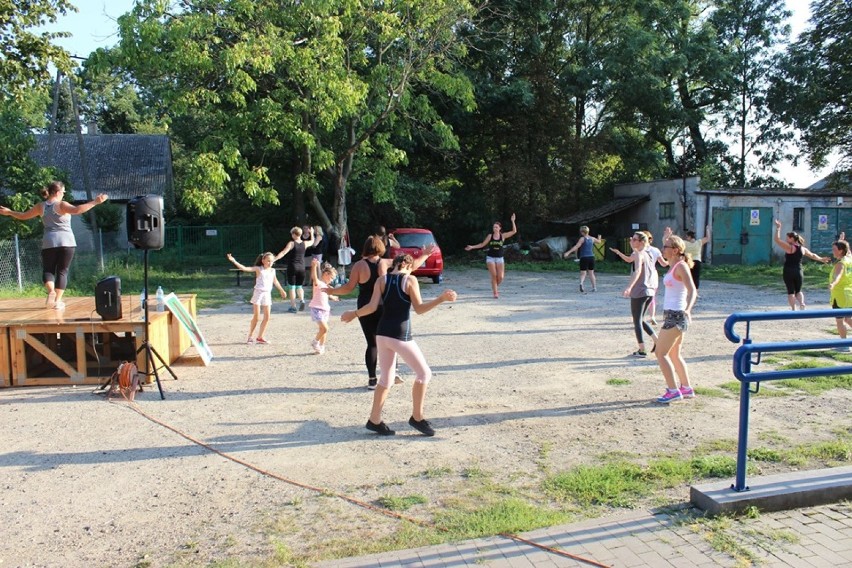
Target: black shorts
[(587, 263)]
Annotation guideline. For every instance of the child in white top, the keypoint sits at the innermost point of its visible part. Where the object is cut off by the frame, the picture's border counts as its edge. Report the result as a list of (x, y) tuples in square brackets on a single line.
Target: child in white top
[(320, 308), (261, 298)]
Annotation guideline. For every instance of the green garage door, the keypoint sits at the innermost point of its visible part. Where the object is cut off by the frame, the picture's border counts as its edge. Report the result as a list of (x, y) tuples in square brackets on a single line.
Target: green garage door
[(742, 235), (826, 224)]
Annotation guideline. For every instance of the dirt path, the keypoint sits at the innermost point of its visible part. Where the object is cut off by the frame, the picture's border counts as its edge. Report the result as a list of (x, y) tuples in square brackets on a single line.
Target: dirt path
[(89, 483)]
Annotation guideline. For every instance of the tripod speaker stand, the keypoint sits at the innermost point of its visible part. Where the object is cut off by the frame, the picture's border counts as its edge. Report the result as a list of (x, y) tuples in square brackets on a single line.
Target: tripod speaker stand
[(145, 230), (150, 352)]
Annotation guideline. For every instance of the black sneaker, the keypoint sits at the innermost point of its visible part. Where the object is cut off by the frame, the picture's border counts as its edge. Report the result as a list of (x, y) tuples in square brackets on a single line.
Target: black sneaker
[(422, 426), (371, 384), (381, 428)]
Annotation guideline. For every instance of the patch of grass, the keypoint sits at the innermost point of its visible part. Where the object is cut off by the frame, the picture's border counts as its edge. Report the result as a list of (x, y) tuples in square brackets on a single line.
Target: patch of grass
[(765, 390), (835, 450), (711, 392), (475, 472), (714, 466), (669, 472), (718, 532), (766, 455), (434, 472), (614, 484), (505, 516), (401, 503), (818, 385), (616, 382)]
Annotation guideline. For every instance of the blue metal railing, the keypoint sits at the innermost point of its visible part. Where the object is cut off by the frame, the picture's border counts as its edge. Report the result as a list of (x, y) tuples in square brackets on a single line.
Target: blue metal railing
[(750, 353)]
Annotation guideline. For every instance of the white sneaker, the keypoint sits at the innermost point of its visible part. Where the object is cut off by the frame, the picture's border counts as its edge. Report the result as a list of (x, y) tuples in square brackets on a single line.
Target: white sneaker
[(59, 305), (315, 346)]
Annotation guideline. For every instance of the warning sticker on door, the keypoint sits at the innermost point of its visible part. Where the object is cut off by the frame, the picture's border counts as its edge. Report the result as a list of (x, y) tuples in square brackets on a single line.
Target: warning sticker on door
[(822, 223), (755, 217)]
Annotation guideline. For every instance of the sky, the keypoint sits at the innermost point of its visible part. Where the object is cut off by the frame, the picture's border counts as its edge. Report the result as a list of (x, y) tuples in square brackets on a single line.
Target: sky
[(95, 25)]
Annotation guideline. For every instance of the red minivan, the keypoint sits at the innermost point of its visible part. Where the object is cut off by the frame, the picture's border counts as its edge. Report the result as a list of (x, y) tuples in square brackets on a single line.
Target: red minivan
[(411, 241)]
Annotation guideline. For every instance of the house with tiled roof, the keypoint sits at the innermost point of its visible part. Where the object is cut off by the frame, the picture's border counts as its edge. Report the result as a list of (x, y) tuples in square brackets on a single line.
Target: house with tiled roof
[(121, 165)]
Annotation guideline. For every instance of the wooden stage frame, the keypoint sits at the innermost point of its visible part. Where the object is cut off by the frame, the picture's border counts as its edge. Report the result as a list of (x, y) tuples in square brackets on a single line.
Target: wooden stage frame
[(43, 346)]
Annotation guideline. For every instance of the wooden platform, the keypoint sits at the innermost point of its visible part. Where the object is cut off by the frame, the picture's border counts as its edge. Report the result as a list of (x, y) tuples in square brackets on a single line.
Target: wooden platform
[(42, 346)]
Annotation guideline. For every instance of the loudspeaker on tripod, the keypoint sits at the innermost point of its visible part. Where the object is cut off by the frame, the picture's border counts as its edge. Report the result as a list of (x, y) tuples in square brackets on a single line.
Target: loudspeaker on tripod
[(108, 298), (145, 226)]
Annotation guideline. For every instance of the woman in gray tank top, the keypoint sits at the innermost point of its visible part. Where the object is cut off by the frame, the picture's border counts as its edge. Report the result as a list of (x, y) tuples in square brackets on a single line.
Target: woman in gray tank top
[(58, 243)]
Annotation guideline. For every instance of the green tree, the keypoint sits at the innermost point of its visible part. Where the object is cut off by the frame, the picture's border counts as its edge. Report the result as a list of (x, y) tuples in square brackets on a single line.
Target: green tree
[(25, 56), (751, 31), (267, 97), (813, 91)]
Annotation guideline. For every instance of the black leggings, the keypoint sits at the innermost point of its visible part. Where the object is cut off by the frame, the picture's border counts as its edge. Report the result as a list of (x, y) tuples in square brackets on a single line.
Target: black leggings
[(55, 263), (638, 307), (695, 271), (369, 325)]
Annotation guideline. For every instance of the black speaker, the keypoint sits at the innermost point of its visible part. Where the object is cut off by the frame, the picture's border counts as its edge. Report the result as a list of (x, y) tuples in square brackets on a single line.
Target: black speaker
[(108, 298), (145, 226)]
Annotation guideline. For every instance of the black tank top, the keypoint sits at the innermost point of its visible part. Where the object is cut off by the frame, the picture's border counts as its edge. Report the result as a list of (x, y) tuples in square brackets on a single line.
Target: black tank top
[(396, 314), (365, 290), (297, 257), (794, 259), (495, 247)]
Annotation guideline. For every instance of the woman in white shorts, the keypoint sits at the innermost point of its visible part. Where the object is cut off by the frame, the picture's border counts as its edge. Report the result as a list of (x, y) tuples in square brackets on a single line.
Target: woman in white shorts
[(494, 253)]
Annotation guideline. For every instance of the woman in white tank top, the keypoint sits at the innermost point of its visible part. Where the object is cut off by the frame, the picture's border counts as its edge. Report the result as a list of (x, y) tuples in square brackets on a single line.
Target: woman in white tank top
[(680, 295)]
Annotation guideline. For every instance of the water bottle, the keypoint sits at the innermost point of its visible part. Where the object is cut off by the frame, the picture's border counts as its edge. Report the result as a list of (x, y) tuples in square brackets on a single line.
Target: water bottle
[(161, 299)]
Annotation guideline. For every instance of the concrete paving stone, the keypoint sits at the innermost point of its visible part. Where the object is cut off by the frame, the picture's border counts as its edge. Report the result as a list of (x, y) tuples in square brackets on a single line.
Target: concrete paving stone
[(636, 546), (834, 524), (826, 536), (835, 513), (653, 558), (828, 554)]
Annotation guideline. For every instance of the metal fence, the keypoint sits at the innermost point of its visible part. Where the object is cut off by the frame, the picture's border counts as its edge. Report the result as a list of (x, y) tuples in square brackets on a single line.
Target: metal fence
[(20, 259), (205, 244)]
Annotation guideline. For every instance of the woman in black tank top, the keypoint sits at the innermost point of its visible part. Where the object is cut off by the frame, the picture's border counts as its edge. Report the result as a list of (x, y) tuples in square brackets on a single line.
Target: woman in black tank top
[(794, 249), (494, 254), (365, 272), (398, 293)]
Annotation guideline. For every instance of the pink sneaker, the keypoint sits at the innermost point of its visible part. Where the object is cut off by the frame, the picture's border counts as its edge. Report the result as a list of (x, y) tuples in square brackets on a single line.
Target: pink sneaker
[(687, 392), (669, 396), (261, 341)]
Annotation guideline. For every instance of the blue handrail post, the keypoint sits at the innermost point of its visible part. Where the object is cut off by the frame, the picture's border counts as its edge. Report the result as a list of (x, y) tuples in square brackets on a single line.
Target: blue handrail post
[(742, 442)]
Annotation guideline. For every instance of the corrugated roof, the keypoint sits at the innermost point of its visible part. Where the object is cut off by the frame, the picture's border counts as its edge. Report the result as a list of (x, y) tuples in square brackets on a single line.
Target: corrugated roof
[(120, 165), (602, 211)]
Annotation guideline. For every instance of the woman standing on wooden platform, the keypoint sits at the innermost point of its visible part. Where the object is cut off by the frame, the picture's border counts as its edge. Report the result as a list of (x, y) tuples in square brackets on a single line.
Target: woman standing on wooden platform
[(58, 243)]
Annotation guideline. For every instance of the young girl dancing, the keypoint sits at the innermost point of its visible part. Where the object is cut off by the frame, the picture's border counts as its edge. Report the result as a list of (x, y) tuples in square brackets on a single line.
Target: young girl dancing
[(261, 298), (320, 309)]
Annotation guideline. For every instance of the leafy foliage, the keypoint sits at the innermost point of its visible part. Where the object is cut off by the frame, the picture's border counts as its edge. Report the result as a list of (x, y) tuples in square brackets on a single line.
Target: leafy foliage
[(813, 91)]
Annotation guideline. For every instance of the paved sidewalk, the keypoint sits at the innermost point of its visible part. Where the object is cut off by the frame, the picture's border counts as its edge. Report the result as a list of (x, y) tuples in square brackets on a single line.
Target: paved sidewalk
[(802, 538)]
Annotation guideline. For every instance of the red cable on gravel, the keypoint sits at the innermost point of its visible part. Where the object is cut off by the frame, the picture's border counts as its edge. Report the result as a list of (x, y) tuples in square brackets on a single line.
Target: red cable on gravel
[(135, 407)]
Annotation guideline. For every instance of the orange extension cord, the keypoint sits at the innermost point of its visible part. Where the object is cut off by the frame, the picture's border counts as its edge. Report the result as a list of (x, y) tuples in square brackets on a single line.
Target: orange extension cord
[(347, 498)]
